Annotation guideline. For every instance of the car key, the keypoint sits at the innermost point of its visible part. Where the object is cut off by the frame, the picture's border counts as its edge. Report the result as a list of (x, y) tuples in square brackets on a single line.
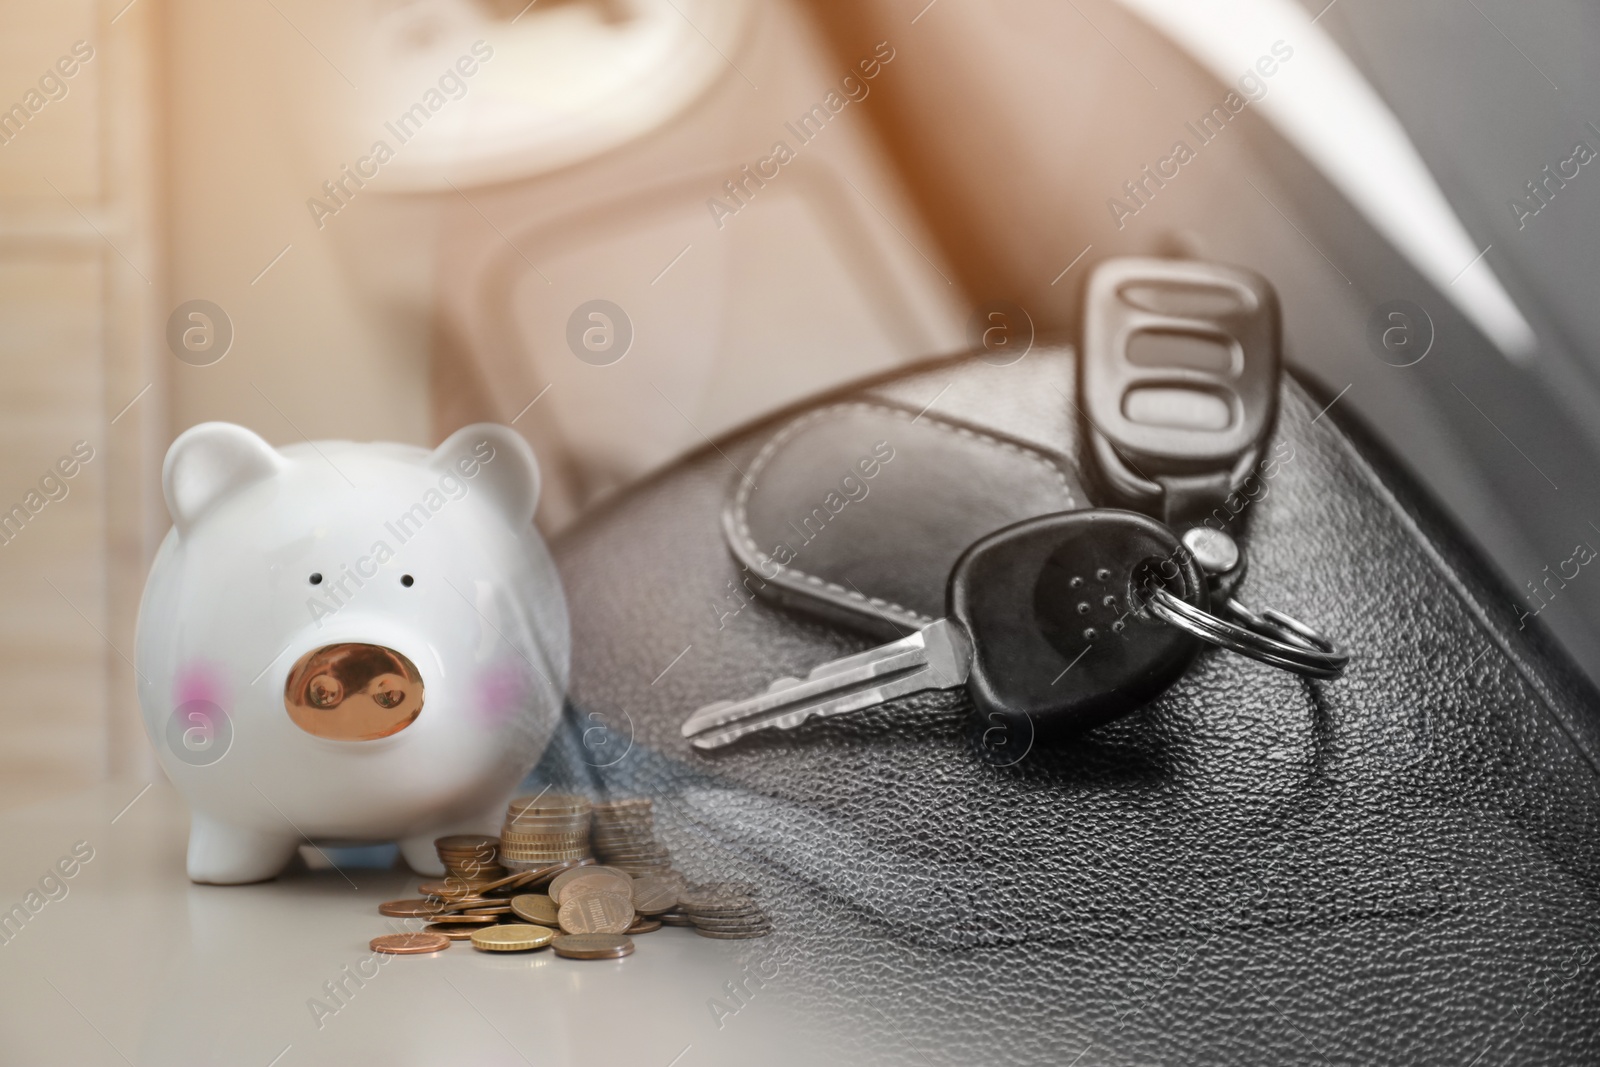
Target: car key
[(1178, 383), (1067, 620), (1045, 620)]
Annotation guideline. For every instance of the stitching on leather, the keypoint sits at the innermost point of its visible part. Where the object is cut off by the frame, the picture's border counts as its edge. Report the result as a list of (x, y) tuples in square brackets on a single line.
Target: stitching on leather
[(783, 436)]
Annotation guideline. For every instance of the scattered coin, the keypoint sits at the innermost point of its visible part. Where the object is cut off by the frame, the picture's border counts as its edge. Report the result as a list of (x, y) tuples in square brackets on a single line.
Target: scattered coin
[(455, 933), (728, 935), (463, 903), (458, 886), (501, 883), (653, 895), (587, 909), (592, 946), (409, 909), (726, 910), (536, 908), (409, 944), (512, 937), (596, 912), (438, 889), (739, 923), (596, 877), (721, 906), (743, 889), (543, 875)]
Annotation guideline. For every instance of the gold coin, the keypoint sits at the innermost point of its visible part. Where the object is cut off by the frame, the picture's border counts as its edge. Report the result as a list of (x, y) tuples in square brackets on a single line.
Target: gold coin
[(596, 912), (409, 944), (512, 937), (536, 908), (455, 933), (592, 946), (451, 919)]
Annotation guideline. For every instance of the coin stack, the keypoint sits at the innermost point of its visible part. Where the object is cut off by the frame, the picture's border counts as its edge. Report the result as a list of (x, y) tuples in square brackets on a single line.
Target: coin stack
[(624, 837), (723, 910), (543, 830), (470, 860)]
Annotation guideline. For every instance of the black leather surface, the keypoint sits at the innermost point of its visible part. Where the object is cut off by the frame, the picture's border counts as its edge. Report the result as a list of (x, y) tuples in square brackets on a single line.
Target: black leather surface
[(1400, 866)]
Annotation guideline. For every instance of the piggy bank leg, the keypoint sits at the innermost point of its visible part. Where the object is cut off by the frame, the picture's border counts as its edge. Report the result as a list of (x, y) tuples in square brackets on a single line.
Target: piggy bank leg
[(223, 854), (421, 856)]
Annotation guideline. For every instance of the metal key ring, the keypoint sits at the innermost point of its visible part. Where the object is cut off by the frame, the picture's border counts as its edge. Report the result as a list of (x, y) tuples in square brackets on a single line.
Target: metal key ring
[(1271, 637)]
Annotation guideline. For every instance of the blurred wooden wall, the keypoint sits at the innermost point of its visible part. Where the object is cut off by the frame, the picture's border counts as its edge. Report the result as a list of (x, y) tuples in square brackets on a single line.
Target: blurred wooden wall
[(80, 285)]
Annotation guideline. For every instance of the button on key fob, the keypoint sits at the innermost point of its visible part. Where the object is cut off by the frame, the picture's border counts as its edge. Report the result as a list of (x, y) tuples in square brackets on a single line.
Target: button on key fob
[(1178, 375), (1046, 620)]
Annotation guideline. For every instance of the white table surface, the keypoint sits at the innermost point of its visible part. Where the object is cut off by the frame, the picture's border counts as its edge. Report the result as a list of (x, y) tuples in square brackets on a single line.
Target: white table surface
[(135, 965)]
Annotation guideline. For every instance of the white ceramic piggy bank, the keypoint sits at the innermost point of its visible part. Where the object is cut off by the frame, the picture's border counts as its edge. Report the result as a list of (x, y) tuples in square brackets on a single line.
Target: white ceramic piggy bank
[(345, 642)]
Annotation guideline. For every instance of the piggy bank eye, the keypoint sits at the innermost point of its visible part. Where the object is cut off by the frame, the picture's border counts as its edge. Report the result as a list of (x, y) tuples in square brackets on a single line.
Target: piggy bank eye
[(316, 577), (407, 581)]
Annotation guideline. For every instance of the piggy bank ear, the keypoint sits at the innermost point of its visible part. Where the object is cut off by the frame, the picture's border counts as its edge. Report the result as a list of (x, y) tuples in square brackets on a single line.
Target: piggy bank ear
[(209, 462), (494, 460)]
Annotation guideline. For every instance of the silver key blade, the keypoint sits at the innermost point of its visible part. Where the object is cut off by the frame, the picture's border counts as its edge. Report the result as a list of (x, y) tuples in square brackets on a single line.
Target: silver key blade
[(936, 657)]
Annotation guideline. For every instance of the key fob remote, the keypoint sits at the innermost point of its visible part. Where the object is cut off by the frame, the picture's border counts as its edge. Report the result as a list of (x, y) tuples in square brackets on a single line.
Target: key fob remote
[(1178, 381), (1052, 607)]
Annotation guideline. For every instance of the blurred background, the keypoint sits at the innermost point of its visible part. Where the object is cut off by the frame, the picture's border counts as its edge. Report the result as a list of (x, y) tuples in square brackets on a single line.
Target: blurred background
[(628, 226)]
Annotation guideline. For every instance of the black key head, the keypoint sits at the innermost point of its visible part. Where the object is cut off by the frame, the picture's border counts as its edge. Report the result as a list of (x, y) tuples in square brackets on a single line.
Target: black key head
[(1054, 609)]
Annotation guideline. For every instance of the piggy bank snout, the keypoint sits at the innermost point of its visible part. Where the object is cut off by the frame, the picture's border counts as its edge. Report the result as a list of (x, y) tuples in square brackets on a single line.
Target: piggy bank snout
[(353, 692)]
